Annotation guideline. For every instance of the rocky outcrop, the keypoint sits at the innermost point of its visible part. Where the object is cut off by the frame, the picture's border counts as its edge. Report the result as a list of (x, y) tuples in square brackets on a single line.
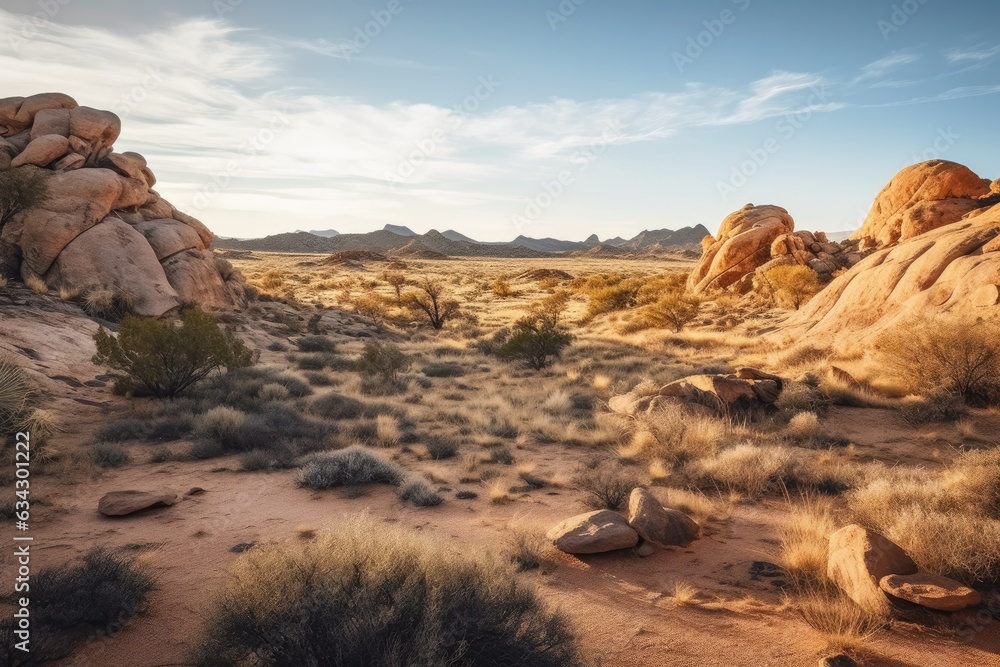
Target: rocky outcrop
[(593, 533), (102, 226), (921, 198), (952, 271), (122, 503), (747, 392), (858, 559)]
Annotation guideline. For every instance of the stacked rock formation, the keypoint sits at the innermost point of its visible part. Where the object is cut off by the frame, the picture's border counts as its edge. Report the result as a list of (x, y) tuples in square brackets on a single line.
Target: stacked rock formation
[(756, 239), (102, 226)]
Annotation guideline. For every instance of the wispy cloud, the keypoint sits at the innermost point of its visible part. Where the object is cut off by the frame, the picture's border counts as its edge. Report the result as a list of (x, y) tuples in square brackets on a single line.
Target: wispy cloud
[(974, 55), (882, 67)]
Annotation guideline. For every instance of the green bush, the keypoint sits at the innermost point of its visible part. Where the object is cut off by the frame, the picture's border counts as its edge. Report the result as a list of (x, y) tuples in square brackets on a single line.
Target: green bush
[(166, 360), (536, 340), (330, 602), (21, 189)]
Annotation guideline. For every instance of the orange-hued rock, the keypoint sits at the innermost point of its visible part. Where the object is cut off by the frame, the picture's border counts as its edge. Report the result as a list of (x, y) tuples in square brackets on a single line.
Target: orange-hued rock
[(593, 533), (42, 151), (931, 591), (742, 245), (857, 561), (938, 182), (658, 524), (952, 271)]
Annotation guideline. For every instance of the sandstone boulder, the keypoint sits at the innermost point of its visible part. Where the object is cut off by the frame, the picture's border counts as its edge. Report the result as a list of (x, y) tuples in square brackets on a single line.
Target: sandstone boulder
[(169, 237), (51, 121), (930, 591), (742, 245), (42, 151), (858, 560), (123, 503), (748, 391), (593, 533), (932, 181), (193, 276), (657, 524)]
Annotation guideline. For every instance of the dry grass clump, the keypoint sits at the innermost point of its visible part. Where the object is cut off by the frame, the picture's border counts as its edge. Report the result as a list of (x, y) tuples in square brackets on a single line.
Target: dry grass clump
[(805, 538), (109, 303), (607, 487), (379, 595), (353, 466), (36, 285), (949, 521), (748, 469), (15, 390), (803, 426), (679, 435), (418, 492), (684, 594), (841, 623)]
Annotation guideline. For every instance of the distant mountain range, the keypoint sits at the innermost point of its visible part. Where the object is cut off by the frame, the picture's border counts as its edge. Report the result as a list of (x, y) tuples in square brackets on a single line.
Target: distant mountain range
[(396, 240)]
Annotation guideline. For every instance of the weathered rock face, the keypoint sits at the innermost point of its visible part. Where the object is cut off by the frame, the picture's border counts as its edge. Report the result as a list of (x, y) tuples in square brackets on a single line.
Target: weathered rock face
[(931, 591), (593, 533), (102, 225), (858, 560), (952, 271), (658, 524), (920, 198)]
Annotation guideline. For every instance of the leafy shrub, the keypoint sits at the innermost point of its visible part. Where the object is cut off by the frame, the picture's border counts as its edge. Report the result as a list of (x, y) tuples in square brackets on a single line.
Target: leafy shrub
[(383, 360), (349, 467), (419, 493), (108, 455), (674, 310), (535, 341), (957, 355), (607, 487), (793, 285), (417, 603), (165, 360), (316, 344), (21, 189), (96, 596)]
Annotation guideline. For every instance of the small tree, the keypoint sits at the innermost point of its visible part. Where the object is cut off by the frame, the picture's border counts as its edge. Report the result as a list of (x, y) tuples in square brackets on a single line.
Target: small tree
[(431, 301), (381, 365), (371, 306), (793, 285), (535, 341), (673, 310), (166, 360), (21, 189), (398, 281)]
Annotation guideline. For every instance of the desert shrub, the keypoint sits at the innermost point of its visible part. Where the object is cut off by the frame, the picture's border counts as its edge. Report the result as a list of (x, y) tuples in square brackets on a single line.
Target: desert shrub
[(94, 597), (21, 189), (419, 493), (274, 428), (316, 344), (166, 360), (804, 540), (240, 388), (747, 469), (108, 455), (679, 435), (371, 306), (349, 467), (381, 366), (939, 407), (274, 458), (205, 448), (319, 379), (444, 369), (337, 406), (502, 288), (500, 454), (124, 429), (15, 390), (804, 426), (607, 487), (397, 281), (418, 603), (535, 341), (440, 448), (274, 392), (792, 286), (616, 295), (430, 300), (109, 303), (225, 426), (674, 310), (956, 355)]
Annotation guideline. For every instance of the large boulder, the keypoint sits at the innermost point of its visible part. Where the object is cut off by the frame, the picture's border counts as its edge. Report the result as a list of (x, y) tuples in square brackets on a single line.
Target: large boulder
[(952, 271), (655, 523), (112, 253), (857, 561), (593, 533), (42, 151), (931, 591), (169, 237), (748, 391), (193, 275), (742, 245), (945, 190)]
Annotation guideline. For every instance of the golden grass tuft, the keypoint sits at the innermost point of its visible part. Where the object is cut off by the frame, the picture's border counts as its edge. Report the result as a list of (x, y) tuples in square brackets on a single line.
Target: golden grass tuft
[(684, 594), (805, 538), (36, 285)]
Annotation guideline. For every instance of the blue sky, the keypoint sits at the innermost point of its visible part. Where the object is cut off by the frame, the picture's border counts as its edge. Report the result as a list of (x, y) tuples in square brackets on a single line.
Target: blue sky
[(521, 117)]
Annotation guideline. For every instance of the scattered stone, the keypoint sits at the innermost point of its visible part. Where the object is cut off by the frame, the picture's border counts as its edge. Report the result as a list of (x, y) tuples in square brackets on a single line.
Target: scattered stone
[(657, 524), (645, 549), (931, 591), (122, 503), (593, 533), (195, 491), (858, 559)]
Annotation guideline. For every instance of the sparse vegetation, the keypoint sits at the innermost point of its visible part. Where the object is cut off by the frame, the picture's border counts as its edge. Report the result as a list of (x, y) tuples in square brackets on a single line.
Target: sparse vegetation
[(21, 189), (607, 487), (792, 286), (430, 300), (15, 390), (349, 467)]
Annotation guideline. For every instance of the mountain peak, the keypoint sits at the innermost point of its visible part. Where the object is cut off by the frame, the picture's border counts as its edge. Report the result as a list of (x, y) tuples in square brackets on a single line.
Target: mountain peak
[(402, 230), (593, 238)]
